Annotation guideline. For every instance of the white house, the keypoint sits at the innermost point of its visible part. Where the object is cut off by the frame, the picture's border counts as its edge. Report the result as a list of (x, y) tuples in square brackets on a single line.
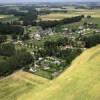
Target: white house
[(37, 37)]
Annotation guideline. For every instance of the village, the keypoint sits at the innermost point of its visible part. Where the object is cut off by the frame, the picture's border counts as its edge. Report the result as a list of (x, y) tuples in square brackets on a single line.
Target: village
[(51, 66)]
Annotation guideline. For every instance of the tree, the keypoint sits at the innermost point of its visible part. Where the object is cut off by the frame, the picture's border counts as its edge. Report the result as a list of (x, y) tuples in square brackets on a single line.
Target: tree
[(16, 62), (3, 38), (92, 40), (88, 16), (25, 37), (6, 29), (23, 58), (7, 49), (50, 24), (14, 37)]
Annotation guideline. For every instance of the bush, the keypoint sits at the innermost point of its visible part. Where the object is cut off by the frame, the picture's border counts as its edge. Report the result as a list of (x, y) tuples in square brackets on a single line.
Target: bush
[(92, 40)]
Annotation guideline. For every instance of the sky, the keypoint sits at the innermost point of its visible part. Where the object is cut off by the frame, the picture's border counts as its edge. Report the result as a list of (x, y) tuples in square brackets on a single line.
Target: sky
[(4, 1)]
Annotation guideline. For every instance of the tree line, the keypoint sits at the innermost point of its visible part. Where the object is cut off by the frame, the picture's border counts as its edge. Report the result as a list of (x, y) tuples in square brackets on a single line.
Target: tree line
[(29, 17), (44, 12), (91, 40), (50, 24), (6, 29), (13, 59)]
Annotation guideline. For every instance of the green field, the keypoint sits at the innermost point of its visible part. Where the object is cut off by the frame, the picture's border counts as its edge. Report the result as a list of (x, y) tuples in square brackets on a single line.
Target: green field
[(7, 18), (80, 81)]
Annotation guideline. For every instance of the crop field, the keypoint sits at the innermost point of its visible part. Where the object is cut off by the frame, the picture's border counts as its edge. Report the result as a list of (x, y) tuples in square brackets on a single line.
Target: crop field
[(93, 13), (79, 82), (19, 83), (73, 84), (72, 13), (57, 16)]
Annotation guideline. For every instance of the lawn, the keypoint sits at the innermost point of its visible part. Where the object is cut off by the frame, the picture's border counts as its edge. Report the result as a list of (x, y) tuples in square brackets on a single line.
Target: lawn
[(43, 73)]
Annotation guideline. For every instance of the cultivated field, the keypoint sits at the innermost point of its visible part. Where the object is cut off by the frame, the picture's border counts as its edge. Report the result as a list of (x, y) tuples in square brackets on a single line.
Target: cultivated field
[(80, 82), (70, 13), (19, 83), (57, 16)]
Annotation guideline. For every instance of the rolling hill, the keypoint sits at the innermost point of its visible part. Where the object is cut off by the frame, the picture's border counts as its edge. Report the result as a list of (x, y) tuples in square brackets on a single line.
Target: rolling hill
[(19, 83), (81, 81)]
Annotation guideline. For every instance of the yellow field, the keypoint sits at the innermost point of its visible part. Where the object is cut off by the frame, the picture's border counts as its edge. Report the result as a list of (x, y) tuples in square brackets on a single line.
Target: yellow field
[(19, 83), (81, 81), (3, 16), (59, 16)]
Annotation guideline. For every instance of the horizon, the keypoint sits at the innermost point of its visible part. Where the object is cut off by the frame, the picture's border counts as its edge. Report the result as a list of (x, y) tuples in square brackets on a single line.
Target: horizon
[(44, 1)]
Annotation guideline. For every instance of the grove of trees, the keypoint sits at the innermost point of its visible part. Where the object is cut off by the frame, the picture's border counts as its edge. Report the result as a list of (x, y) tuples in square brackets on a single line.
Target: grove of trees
[(50, 24), (92, 40), (7, 29), (13, 59)]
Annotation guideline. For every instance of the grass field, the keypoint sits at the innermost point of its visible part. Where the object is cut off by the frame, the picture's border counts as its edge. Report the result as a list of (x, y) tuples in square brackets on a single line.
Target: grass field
[(80, 81), (73, 13)]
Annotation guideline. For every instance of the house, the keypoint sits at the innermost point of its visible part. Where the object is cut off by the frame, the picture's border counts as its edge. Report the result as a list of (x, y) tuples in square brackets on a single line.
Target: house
[(80, 27), (32, 69), (37, 37), (57, 62)]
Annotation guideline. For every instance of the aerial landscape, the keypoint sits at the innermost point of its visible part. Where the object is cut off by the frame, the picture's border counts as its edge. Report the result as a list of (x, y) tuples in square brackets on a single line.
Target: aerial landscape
[(50, 50)]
